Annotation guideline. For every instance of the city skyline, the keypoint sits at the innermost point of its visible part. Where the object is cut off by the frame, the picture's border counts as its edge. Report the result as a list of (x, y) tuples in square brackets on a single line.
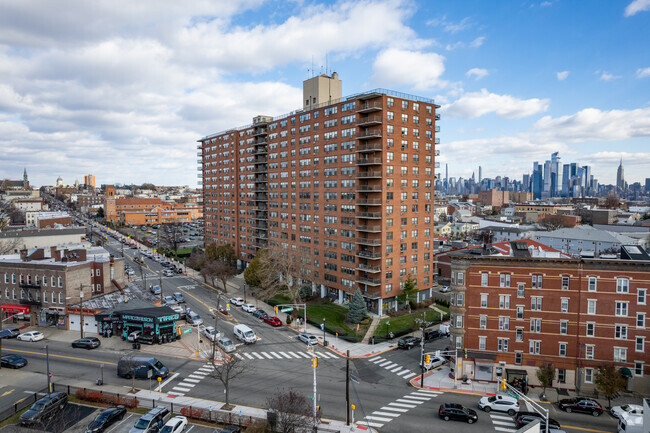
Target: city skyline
[(123, 90)]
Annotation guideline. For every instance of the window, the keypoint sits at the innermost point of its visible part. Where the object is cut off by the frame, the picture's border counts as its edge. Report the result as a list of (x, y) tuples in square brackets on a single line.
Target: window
[(481, 343), (592, 284), (518, 357), (536, 303), (537, 282), (53, 281), (561, 375), (565, 283), (97, 272), (536, 325), (520, 312), (459, 321), (483, 321), (520, 334), (504, 302), (620, 332), (504, 280), (564, 327), (60, 298), (502, 344), (640, 320), (638, 368), (591, 306), (53, 298), (460, 279), (504, 323), (640, 344), (640, 296), (591, 329), (589, 351), (534, 346), (620, 354), (460, 299), (484, 279), (45, 297), (564, 305), (621, 309), (520, 290), (562, 349), (622, 285), (60, 281), (459, 342), (589, 375), (484, 300)]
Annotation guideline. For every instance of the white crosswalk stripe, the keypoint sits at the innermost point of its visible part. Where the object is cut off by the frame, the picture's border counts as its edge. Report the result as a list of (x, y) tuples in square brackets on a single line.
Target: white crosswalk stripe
[(394, 409), (393, 414), (176, 393), (197, 376), (371, 424), (508, 430), (387, 364), (285, 355), (427, 391), (378, 418), (236, 354), (381, 364), (272, 353), (248, 356), (267, 355), (394, 370), (192, 380), (408, 376), (503, 423), (295, 355), (419, 397), (410, 406), (304, 355), (404, 400), (377, 359), (398, 407), (257, 355), (178, 388)]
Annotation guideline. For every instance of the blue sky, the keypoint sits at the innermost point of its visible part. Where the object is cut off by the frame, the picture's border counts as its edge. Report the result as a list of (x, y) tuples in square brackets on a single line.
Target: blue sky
[(124, 89)]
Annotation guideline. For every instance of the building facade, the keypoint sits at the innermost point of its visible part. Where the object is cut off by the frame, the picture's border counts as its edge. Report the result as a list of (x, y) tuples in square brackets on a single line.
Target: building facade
[(512, 314), (346, 184)]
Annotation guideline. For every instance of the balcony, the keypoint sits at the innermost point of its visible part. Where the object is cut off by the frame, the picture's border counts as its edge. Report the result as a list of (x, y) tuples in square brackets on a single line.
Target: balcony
[(369, 229), (199, 153), (261, 142), (260, 227), (369, 174), (367, 241), (368, 133), (261, 151), (261, 170), (437, 117), (370, 255), (369, 161), (370, 120), (369, 281), (261, 179), (436, 141), (436, 165), (436, 129), (260, 198), (260, 217), (436, 152), (30, 286), (369, 188), (369, 202), (368, 268), (369, 107), (30, 302), (374, 147), (369, 215), (261, 189), (260, 131), (260, 160)]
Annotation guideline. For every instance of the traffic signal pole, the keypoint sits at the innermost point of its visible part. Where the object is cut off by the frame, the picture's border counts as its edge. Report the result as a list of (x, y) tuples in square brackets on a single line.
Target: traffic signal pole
[(422, 359), (347, 388)]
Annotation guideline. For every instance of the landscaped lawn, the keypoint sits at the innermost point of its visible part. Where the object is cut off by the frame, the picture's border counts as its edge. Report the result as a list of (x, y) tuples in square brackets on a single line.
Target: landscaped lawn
[(335, 315), (404, 324)]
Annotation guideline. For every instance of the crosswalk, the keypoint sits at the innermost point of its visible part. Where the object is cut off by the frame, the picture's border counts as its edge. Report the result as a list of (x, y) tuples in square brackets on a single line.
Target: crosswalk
[(277, 355), (503, 423), (398, 407), (191, 380), (393, 367)]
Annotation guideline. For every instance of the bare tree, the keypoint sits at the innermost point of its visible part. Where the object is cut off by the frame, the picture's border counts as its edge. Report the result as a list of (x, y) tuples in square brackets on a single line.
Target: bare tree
[(280, 273), (227, 371), (224, 271), (11, 245), (131, 366), (209, 270), (293, 411)]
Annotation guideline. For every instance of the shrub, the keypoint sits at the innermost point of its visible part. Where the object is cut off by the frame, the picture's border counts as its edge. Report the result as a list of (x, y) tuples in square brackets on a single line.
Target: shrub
[(194, 413), (110, 399)]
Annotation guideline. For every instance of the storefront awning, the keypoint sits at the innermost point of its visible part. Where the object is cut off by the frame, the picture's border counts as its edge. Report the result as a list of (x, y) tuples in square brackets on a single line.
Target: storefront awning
[(626, 372), (8, 308)]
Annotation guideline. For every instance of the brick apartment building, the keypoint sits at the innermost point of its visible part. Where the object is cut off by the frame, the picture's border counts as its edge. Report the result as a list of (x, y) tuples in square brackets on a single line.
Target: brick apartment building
[(511, 313), (42, 284), (345, 183)]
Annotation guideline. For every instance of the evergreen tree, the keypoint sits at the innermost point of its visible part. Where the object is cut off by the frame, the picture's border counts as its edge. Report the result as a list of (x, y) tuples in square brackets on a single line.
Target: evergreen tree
[(357, 308)]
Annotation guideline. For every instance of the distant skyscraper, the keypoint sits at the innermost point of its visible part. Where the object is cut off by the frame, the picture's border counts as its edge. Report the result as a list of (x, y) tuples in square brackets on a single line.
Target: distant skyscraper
[(620, 177), (647, 185), (480, 174), (537, 181), (551, 176), (446, 178)]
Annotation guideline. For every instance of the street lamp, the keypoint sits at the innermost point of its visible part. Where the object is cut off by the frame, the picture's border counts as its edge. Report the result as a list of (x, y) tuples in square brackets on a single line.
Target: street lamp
[(323, 326)]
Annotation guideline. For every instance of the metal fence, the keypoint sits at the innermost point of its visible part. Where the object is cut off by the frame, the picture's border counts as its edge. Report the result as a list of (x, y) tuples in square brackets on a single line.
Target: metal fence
[(22, 404)]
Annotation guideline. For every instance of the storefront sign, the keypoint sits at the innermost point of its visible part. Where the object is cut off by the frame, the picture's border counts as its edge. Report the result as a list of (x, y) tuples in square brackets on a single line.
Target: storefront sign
[(137, 318), (7, 308), (169, 318)]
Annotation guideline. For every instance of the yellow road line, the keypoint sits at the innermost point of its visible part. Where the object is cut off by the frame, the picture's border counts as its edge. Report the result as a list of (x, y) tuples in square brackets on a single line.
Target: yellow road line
[(61, 356), (583, 428), (18, 401), (8, 392)]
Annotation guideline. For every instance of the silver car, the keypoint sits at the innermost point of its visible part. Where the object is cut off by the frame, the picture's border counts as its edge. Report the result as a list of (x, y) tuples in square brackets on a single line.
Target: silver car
[(308, 339), (226, 345)]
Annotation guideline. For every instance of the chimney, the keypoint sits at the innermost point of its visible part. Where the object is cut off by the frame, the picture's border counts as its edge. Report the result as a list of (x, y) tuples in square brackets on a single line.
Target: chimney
[(54, 253), (23, 255)]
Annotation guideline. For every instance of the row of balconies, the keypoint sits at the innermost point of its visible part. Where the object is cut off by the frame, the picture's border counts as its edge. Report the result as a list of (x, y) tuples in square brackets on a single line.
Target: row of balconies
[(369, 161), (369, 174), (369, 188), (369, 107), (370, 202), (371, 147), (369, 133)]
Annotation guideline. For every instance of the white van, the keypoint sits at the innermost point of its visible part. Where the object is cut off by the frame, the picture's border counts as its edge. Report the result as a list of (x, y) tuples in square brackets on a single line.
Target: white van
[(630, 423), (245, 334)]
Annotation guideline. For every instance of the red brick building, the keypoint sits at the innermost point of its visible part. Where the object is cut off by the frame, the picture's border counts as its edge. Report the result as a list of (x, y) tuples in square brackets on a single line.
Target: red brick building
[(513, 313), (346, 184)]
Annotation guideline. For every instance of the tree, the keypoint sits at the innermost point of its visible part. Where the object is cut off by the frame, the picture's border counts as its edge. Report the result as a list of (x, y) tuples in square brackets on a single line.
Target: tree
[(252, 271), (612, 202), (545, 374), (196, 261), (100, 212), (131, 366), (357, 308), (553, 222), (226, 371), (221, 263), (294, 412), (281, 272), (609, 381), (408, 294), (224, 271)]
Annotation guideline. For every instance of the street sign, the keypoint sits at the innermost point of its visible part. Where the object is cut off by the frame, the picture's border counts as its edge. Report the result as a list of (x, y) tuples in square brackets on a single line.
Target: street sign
[(513, 395), (322, 326), (187, 331), (286, 310)]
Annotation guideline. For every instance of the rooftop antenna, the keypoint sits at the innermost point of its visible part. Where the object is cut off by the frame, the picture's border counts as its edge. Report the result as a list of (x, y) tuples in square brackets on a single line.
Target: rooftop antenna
[(312, 66)]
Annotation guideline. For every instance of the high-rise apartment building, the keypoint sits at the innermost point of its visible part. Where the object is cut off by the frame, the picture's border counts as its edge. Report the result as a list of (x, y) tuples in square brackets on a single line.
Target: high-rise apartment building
[(344, 184), (89, 180)]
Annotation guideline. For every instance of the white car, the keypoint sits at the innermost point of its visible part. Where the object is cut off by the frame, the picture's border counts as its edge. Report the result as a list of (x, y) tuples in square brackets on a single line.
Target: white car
[(249, 308), (133, 336), (436, 361), (175, 425), (445, 289), (499, 403), (31, 336), (237, 301), (211, 333), (308, 339), (627, 409)]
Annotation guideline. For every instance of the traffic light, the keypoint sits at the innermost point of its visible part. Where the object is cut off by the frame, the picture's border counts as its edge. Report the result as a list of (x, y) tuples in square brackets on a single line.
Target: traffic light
[(276, 310), (427, 359), (314, 362), (503, 384)]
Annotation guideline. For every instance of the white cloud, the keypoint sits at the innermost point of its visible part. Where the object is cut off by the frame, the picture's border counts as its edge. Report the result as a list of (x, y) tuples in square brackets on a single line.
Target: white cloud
[(606, 76), (422, 71), (459, 44), (477, 73), (642, 73), (450, 26), (477, 104), (561, 76), (637, 6), (477, 42), (629, 158)]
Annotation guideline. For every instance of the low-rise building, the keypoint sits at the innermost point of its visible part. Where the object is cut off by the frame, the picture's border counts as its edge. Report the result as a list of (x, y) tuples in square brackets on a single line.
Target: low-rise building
[(47, 219), (586, 240)]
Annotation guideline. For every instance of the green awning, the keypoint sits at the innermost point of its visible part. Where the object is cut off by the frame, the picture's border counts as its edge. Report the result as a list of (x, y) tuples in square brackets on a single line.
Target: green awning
[(626, 372)]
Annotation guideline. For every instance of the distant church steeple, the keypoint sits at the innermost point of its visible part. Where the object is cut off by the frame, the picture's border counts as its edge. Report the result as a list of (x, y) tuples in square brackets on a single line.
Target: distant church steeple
[(25, 179)]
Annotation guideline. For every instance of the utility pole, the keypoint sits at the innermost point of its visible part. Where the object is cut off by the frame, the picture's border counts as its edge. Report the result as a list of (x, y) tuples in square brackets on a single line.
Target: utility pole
[(47, 363), (81, 309), (161, 290), (422, 359), (347, 388), (1, 321), (314, 364)]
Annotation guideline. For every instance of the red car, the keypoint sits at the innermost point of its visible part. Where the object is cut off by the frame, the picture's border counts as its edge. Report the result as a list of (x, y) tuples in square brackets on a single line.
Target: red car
[(273, 321)]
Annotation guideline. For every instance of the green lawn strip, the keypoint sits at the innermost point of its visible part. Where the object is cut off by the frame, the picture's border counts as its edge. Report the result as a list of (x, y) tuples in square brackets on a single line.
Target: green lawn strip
[(278, 299), (335, 316), (405, 324)]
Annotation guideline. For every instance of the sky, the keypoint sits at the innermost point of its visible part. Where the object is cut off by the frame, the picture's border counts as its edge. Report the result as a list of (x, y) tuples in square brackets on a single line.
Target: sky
[(124, 89)]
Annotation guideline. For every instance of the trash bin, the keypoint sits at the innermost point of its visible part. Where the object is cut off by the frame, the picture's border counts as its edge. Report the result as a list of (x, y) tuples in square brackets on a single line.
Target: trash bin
[(135, 345), (325, 343), (100, 382)]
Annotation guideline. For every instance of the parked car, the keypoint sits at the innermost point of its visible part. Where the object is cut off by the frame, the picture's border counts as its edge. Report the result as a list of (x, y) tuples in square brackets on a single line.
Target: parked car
[(445, 289), (175, 425), (44, 408), (631, 409), (31, 336), (169, 300), (581, 404), (273, 321), (226, 344), (155, 289), (249, 308), (105, 419), (436, 361), (10, 333), (133, 336), (178, 309), (308, 339), (433, 334), (169, 273), (449, 411), (179, 297), (408, 342), (13, 361), (151, 421), (260, 314), (237, 301), (87, 343), (211, 333), (501, 403), (525, 417), (228, 429)]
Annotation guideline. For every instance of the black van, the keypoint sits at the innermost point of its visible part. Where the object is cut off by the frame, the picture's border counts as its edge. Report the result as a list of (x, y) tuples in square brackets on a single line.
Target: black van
[(141, 366), (44, 408)]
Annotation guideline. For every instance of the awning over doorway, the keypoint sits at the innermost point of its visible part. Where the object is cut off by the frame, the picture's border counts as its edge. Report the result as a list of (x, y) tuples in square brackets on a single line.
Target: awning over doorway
[(8, 308), (626, 372)]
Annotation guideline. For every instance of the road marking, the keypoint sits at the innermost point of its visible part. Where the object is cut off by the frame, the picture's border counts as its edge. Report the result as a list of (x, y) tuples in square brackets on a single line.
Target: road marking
[(377, 359), (276, 355), (248, 356), (410, 406), (174, 376), (386, 414), (371, 424), (385, 363), (176, 393), (426, 391), (8, 392), (403, 400), (377, 418), (192, 380), (267, 355), (239, 356), (419, 397), (295, 355), (504, 423), (258, 355), (184, 383), (330, 355), (304, 355), (59, 356), (509, 430), (409, 375), (205, 370), (402, 373), (285, 355), (393, 370), (178, 388), (394, 409), (198, 375)]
